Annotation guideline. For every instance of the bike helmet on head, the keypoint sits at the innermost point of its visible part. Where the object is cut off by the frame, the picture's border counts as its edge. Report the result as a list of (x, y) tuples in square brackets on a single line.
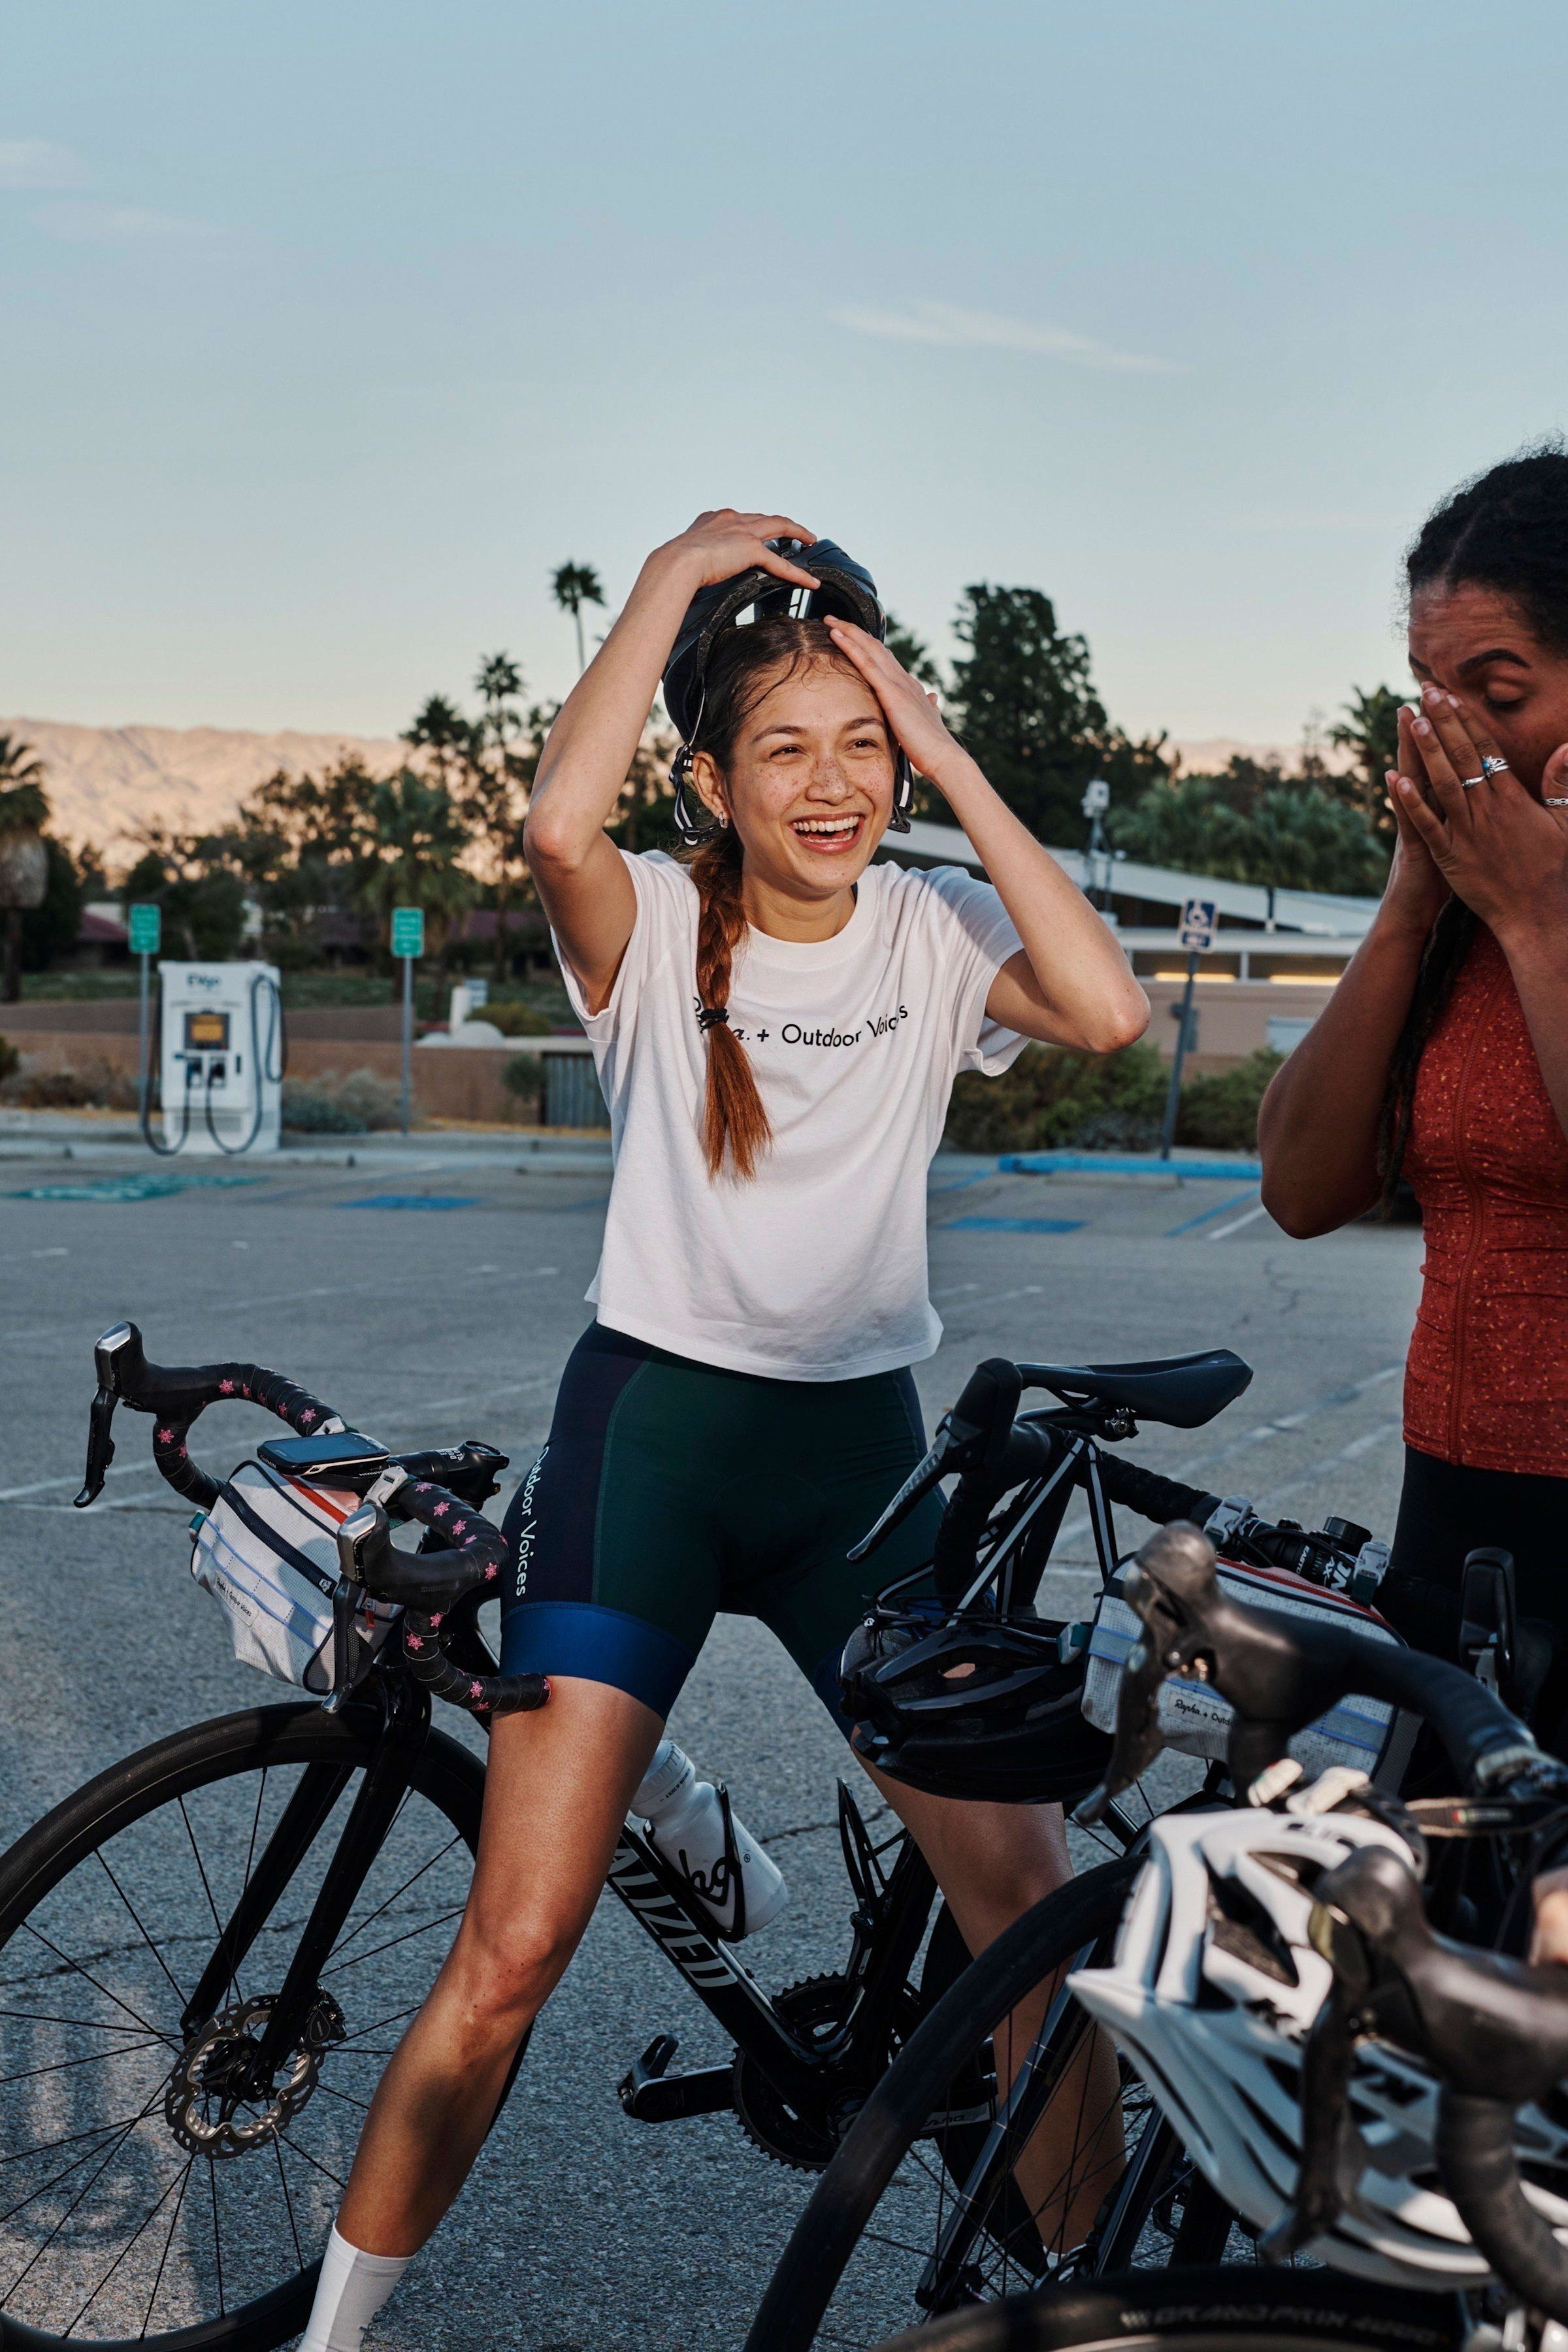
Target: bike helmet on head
[(1214, 1989), (978, 1706), (845, 590)]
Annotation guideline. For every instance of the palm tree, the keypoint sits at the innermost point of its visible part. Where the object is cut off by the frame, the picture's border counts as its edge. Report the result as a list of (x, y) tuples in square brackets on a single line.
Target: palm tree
[(24, 860), (495, 799), (575, 586), (1370, 731)]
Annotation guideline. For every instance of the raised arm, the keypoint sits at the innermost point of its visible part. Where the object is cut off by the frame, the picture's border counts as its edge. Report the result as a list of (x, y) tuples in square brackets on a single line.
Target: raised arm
[(1072, 985), (580, 875)]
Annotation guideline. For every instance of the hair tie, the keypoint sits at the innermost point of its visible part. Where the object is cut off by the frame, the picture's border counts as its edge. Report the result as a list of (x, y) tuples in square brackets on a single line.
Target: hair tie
[(712, 1016)]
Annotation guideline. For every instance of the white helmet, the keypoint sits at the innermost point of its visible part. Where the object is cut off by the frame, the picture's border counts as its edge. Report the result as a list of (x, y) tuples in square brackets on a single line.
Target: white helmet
[(1213, 1990)]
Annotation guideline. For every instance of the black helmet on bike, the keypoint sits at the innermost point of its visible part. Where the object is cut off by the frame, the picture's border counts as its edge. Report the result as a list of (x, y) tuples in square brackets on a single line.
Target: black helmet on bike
[(846, 592), (972, 1706)]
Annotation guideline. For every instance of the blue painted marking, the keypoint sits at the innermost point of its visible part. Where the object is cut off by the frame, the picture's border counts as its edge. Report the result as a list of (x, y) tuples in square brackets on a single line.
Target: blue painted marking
[(151, 1186), (1013, 1224), (962, 1183), (1127, 1163), (1236, 1201), (414, 1200)]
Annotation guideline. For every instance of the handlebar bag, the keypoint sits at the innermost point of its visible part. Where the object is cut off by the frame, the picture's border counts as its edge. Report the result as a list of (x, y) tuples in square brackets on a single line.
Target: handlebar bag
[(1196, 1720), (267, 1551)]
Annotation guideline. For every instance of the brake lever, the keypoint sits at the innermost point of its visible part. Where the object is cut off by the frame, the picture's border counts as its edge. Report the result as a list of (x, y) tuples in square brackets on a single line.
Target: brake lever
[(99, 1447), (119, 1362), (1167, 1645)]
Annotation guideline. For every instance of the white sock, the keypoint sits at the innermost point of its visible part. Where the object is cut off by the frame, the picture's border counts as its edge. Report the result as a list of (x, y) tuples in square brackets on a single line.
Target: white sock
[(351, 2291)]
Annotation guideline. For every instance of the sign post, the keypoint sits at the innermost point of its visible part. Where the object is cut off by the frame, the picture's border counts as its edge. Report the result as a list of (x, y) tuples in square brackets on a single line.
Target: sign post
[(407, 941), (146, 928), (1200, 919)]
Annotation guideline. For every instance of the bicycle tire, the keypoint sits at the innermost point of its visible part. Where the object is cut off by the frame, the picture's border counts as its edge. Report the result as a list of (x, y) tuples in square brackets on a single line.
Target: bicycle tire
[(898, 2115), (217, 1773), (1201, 2310)]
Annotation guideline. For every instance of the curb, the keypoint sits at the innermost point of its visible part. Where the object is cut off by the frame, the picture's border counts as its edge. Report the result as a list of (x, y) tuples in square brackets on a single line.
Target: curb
[(1127, 1163)]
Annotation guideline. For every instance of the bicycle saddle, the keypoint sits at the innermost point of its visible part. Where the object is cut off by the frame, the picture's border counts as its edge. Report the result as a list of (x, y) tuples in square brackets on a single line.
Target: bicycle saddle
[(1183, 1391)]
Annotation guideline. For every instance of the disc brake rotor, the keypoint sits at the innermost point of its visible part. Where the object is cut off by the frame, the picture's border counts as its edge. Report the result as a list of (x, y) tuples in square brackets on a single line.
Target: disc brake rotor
[(219, 2103)]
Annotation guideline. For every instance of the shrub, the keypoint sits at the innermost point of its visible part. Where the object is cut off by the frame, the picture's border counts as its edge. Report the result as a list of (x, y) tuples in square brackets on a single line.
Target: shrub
[(97, 1085), (1221, 1112), (358, 1105), (523, 1076), (517, 1019), (1052, 1101)]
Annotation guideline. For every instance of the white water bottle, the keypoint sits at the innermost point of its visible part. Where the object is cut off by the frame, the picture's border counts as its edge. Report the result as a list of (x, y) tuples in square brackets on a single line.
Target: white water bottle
[(687, 1820)]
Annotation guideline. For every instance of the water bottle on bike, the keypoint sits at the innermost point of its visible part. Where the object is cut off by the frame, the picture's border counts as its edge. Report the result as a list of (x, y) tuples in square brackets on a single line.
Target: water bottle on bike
[(690, 1821)]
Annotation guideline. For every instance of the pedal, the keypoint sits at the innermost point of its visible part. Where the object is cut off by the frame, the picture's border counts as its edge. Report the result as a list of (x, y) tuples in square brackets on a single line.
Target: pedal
[(651, 2095)]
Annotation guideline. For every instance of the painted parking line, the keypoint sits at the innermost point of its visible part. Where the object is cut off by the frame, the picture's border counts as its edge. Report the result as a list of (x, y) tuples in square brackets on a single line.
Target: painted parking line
[(1236, 1223), (1013, 1224), (148, 1187), (1236, 1201), (413, 1201)]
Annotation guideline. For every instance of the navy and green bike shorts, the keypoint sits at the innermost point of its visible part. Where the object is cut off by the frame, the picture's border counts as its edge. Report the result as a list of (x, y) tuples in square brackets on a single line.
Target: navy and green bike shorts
[(669, 1491)]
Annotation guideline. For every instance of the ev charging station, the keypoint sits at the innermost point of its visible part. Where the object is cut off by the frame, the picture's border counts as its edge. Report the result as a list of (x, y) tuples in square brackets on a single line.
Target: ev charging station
[(220, 1059)]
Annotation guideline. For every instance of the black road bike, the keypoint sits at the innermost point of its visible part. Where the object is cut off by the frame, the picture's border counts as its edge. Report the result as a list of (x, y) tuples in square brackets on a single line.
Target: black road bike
[(208, 1953)]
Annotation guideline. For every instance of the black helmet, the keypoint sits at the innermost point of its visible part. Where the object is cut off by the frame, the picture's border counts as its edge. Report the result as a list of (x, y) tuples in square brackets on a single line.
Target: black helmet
[(847, 591), (1008, 1728)]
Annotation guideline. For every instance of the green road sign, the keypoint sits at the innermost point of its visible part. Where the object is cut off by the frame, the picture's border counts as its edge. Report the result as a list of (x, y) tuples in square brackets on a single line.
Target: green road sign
[(408, 930), (146, 929)]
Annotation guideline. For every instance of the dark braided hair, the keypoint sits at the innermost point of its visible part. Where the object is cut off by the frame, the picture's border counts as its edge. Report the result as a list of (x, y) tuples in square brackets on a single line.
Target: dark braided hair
[(1507, 530), (746, 665)]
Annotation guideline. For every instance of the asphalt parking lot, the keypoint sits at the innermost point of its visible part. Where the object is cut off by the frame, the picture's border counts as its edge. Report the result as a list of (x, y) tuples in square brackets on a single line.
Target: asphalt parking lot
[(432, 1301)]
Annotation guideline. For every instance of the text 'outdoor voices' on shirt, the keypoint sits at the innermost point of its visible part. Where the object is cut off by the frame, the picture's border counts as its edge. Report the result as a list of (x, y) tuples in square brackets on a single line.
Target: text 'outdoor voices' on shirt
[(817, 1270)]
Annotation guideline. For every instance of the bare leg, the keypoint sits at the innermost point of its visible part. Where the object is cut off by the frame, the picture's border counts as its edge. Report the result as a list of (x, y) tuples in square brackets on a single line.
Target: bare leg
[(559, 1784), (994, 1863)]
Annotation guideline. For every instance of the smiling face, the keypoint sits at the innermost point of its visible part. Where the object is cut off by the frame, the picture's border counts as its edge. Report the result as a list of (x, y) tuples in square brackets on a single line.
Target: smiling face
[(808, 784), (1474, 644)]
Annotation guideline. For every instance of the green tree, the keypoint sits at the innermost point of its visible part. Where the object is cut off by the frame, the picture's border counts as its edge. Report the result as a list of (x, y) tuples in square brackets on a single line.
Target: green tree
[(50, 932), (1369, 730), (493, 796), (441, 730), (1026, 709), (1295, 836), (24, 812), (418, 839), (195, 880), (572, 586)]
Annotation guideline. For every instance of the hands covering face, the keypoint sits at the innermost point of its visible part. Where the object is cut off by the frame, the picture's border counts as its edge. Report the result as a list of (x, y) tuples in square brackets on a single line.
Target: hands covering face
[(1465, 819)]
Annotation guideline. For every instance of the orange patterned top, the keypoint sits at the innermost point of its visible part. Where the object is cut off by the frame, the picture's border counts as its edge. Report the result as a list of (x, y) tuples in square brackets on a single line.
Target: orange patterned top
[(1486, 1383)]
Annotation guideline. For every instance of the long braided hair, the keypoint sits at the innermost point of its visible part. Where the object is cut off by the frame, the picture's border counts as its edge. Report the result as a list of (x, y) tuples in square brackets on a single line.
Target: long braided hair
[(747, 663), (1506, 531)]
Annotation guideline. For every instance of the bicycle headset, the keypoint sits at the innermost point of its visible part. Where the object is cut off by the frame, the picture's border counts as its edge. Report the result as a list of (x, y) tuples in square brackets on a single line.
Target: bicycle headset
[(847, 592)]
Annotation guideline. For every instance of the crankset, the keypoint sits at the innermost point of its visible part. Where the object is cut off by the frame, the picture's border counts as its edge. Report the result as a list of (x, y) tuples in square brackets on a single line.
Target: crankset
[(816, 2011), (218, 2102)]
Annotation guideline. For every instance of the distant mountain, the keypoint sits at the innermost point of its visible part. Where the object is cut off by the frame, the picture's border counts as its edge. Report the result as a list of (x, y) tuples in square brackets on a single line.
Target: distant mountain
[(106, 783)]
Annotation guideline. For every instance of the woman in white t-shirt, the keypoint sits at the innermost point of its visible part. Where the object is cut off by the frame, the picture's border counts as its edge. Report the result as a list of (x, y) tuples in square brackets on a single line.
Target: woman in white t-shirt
[(777, 1024)]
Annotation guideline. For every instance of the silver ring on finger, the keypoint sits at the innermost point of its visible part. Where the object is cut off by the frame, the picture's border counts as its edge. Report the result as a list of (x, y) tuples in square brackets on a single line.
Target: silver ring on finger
[(1549, 802), (1493, 767), (1469, 782)]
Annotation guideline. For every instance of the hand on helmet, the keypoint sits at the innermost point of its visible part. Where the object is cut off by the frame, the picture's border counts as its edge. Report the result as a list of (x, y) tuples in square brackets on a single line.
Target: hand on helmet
[(719, 544), (913, 714), (1549, 1939)]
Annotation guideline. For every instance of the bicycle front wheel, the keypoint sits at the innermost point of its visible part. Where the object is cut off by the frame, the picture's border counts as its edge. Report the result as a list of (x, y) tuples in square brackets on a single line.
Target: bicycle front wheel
[(158, 2186), (1201, 2310), (985, 2161)]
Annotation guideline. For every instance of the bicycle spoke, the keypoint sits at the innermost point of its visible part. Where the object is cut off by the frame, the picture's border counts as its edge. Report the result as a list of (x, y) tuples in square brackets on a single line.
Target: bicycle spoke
[(146, 1938), (124, 2250), (145, 2023), (360, 1957), (288, 2205), (311, 2160), (64, 2065), (163, 2257), (207, 1890), (217, 2234), (393, 1897)]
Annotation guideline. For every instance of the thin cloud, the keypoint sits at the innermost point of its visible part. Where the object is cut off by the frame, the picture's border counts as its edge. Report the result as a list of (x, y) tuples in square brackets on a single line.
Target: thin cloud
[(946, 323), (37, 164), (93, 224)]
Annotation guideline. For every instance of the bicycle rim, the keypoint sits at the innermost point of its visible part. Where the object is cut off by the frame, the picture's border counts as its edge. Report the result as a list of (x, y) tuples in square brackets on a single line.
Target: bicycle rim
[(986, 2160), (152, 2191)]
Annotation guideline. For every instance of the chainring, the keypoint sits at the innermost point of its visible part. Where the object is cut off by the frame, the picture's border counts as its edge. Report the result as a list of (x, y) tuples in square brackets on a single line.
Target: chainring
[(215, 2106), (814, 2009)]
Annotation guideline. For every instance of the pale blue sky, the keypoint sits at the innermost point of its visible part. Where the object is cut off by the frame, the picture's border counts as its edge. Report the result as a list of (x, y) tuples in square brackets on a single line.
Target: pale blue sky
[(330, 331)]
